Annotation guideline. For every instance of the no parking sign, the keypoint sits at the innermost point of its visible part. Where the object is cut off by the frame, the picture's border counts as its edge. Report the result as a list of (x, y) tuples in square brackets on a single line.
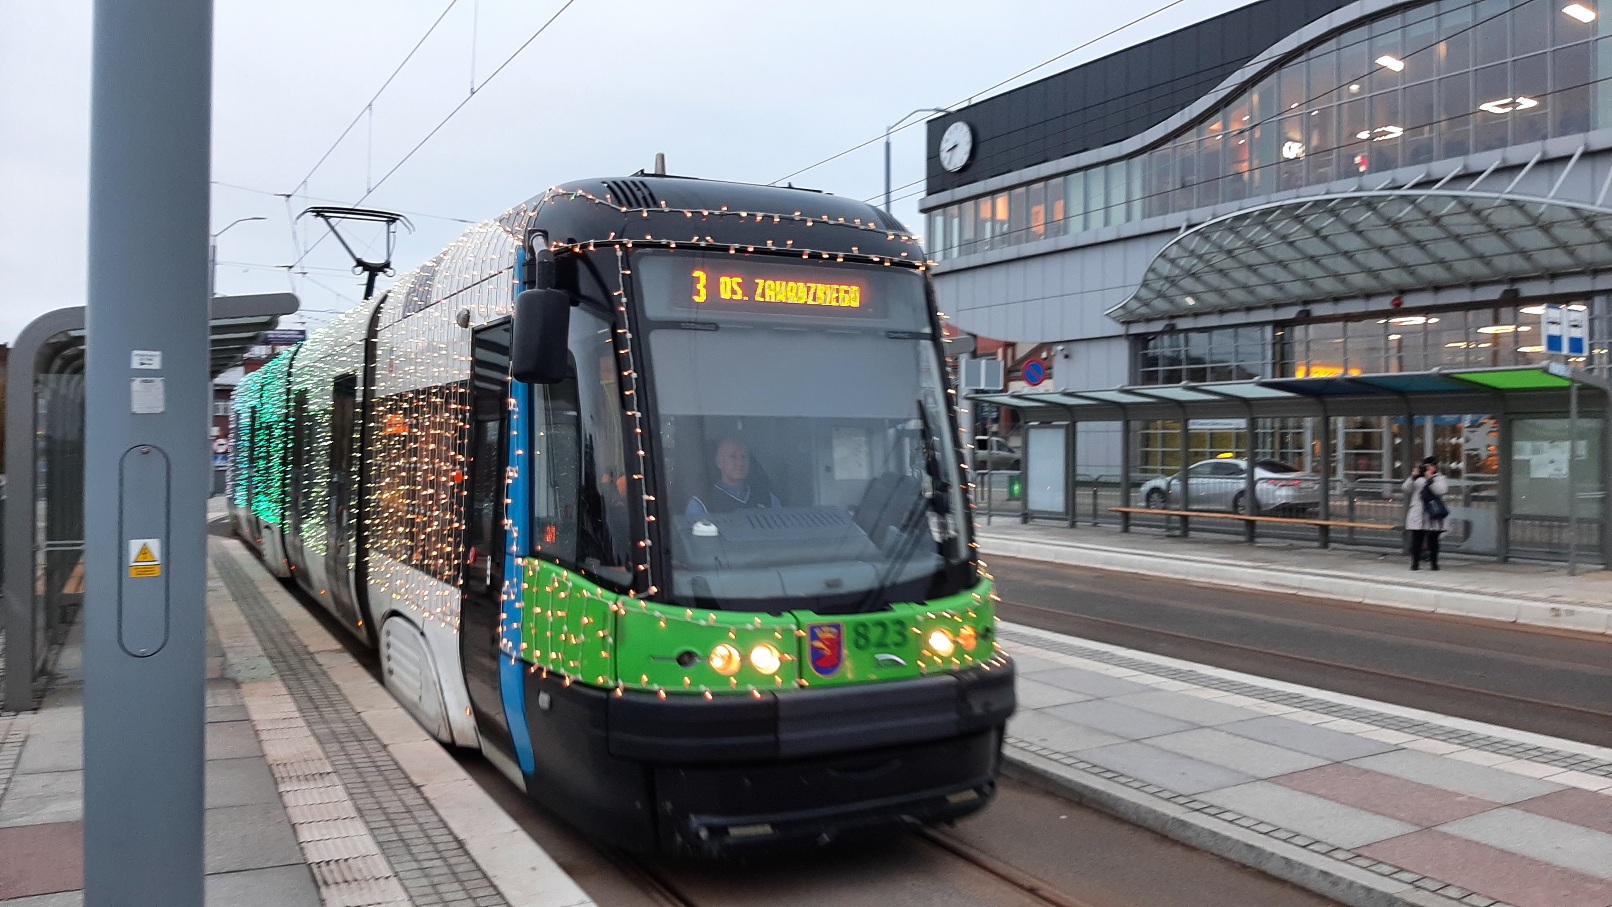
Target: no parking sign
[(1034, 373)]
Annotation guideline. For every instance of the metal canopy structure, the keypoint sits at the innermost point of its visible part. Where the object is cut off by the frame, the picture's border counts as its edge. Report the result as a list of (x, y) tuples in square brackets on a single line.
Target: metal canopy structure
[(1368, 243), (1513, 395), (1510, 390), (44, 463)]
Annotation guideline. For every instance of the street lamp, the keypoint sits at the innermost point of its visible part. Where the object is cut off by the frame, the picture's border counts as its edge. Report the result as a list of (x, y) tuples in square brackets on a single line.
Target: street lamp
[(887, 130), (212, 253)]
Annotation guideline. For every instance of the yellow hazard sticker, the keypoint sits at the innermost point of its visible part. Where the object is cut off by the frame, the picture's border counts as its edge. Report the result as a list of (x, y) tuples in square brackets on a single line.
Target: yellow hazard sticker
[(145, 557)]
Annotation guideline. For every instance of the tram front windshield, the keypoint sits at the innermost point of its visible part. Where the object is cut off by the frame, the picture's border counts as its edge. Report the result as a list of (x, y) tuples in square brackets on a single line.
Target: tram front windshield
[(803, 442)]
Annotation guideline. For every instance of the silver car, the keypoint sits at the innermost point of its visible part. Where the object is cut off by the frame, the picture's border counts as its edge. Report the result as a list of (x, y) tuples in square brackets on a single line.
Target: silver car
[(1221, 484), (995, 453)]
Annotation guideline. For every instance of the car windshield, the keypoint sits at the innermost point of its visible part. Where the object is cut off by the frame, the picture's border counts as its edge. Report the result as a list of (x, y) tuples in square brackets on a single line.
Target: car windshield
[(805, 456)]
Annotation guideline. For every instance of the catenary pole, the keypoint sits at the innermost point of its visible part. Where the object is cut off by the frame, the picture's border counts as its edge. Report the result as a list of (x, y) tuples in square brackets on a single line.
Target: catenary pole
[(146, 459)]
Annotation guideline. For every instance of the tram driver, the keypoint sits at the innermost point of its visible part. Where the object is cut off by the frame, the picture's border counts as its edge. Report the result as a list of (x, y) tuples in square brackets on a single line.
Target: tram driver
[(733, 488)]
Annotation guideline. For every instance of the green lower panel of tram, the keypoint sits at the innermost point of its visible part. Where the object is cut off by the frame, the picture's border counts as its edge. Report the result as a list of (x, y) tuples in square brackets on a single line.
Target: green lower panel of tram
[(572, 627)]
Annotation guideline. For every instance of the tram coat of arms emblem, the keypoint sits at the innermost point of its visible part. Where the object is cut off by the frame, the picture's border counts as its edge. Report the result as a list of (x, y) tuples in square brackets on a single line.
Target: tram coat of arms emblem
[(827, 645)]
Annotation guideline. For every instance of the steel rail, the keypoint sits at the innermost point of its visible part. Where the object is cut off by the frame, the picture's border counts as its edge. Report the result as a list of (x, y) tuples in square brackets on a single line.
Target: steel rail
[(1025, 882)]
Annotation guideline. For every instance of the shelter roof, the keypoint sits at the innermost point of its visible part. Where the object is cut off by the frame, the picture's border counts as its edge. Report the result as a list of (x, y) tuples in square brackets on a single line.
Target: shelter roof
[(1529, 389)]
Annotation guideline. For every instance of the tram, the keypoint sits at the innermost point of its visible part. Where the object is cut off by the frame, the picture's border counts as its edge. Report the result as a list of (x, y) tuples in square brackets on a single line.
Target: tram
[(650, 490)]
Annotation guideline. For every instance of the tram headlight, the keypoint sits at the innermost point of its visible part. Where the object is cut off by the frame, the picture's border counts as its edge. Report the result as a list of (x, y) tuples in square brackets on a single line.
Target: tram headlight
[(766, 659), (940, 643), (968, 638), (725, 660)]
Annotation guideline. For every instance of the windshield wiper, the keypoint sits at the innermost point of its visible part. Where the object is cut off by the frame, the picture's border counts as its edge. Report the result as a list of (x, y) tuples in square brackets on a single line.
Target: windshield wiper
[(909, 530)]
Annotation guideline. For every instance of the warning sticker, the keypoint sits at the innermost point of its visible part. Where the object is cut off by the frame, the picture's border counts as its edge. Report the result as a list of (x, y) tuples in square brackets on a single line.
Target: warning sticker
[(145, 557)]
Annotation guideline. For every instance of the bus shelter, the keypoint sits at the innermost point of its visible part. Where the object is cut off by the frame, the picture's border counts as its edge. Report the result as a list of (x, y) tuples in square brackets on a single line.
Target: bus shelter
[(43, 534), (1544, 496)]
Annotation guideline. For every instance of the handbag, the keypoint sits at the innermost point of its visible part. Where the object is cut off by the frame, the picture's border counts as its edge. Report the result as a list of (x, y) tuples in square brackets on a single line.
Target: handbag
[(1432, 505)]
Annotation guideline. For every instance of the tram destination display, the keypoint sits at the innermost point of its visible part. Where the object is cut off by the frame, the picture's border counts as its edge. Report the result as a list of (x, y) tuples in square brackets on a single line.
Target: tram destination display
[(768, 287)]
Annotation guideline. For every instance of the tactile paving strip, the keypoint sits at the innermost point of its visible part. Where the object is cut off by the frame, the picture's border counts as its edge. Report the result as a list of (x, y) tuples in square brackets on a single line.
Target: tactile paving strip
[(428, 860)]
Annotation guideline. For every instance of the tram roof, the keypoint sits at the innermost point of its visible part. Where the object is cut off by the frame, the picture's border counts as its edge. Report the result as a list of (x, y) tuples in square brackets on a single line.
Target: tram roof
[(713, 213), (1533, 389)]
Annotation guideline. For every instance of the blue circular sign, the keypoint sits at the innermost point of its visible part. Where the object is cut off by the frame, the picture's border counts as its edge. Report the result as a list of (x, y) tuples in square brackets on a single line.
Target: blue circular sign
[(1034, 373)]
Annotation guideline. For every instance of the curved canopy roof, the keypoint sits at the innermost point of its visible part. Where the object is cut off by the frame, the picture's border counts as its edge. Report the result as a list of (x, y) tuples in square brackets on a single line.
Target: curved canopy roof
[(1368, 243)]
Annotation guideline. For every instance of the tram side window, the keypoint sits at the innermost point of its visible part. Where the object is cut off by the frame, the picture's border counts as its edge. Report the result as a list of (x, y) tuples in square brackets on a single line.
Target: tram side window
[(580, 514)]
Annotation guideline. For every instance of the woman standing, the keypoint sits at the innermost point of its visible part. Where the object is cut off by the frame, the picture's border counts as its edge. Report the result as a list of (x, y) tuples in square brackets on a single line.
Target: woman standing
[(1424, 527)]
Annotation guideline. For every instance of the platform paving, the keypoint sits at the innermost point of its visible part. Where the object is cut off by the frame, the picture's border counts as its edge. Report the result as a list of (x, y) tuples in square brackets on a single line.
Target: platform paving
[(1365, 802), (320, 789)]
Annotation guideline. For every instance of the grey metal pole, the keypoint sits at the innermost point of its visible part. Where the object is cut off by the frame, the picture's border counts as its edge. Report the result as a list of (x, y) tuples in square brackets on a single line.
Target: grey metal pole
[(1324, 471), (887, 170), (1572, 476), (147, 458)]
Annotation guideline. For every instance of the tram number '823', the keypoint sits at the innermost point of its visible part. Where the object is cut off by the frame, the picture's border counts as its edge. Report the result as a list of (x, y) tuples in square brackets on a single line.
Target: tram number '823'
[(880, 634)]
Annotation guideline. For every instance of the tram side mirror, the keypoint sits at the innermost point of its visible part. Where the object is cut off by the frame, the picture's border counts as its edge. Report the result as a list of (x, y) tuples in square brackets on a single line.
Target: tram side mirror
[(542, 330)]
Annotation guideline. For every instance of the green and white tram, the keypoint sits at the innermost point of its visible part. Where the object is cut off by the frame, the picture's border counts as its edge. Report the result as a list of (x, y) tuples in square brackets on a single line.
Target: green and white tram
[(650, 489)]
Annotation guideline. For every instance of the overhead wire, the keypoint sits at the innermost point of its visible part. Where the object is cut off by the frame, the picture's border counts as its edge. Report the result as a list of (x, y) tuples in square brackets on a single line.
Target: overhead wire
[(316, 198), (970, 99), (451, 114), (370, 104)]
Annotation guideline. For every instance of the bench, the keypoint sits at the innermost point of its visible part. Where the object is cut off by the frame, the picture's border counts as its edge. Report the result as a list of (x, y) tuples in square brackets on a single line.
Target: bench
[(1323, 526)]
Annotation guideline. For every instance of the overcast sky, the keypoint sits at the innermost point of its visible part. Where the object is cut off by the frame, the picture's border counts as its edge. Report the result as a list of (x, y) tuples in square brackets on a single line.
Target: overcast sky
[(729, 89)]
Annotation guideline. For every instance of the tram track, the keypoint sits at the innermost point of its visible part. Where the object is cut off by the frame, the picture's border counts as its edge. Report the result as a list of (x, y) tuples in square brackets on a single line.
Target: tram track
[(1410, 681), (1334, 665)]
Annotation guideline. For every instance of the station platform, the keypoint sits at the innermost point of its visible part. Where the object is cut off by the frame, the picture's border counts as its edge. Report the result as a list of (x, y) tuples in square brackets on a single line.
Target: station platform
[(1361, 801), (1536, 594), (320, 788)]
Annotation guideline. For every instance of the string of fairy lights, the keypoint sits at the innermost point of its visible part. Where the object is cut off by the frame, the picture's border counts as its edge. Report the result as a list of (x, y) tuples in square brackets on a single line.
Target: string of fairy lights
[(557, 620)]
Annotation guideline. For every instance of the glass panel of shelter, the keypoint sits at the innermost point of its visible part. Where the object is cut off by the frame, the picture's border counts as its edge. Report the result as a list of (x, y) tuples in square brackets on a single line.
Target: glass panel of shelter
[(1437, 82)]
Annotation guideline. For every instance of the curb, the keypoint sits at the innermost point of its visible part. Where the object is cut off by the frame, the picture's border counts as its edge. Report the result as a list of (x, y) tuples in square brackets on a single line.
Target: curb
[(1289, 862), (1343, 586), (521, 870)]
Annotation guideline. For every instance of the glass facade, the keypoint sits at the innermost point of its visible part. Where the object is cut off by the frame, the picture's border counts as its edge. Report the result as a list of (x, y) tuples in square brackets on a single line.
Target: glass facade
[(1473, 337), (1436, 82), (1216, 354)]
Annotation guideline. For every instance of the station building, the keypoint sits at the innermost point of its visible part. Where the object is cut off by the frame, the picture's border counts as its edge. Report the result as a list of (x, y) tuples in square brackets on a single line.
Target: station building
[(1363, 205)]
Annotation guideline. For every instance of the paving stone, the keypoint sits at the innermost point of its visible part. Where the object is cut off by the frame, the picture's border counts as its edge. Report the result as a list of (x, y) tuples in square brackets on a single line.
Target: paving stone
[(1306, 738), (231, 740), (1171, 770), (1541, 838), (279, 886), (41, 859), (1186, 708), (1033, 694), (1495, 874), (1463, 777), (59, 752), (1313, 817), (63, 899), (255, 836), (43, 797), (239, 782), (1119, 720), (1090, 683), (1251, 757), (1056, 733)]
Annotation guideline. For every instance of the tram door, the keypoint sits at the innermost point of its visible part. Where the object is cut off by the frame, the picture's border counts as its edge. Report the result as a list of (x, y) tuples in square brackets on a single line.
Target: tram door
[(343, 479), (483, 574)]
